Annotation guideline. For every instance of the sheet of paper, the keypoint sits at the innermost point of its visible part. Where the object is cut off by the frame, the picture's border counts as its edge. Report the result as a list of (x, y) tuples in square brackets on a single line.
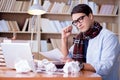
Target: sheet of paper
[(54, 54)]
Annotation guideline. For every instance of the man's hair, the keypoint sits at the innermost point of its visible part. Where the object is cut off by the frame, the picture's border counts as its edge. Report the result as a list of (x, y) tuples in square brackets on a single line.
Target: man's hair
[(81, 8)]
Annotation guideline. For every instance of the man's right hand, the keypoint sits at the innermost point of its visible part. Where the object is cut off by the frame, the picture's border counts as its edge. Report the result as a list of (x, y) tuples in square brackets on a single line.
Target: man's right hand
[(66, 32)]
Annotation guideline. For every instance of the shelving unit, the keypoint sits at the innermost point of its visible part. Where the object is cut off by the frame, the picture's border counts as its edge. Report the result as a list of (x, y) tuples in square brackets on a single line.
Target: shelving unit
[(20, 17), (66, 16)]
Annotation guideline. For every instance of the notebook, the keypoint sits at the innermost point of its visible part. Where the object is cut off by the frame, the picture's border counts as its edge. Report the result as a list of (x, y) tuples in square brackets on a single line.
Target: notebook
[(15, 51)]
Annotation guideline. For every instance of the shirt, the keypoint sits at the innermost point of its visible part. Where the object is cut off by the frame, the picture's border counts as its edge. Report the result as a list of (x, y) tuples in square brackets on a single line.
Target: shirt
[(85, 49), (102, 54)]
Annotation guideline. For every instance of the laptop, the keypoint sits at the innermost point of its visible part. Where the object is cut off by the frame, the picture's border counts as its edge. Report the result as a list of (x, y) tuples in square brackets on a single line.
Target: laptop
[(13, 52)]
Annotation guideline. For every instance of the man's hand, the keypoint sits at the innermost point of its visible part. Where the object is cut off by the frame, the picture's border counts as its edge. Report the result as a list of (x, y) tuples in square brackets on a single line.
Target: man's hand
[(66, 59), (66, 32)]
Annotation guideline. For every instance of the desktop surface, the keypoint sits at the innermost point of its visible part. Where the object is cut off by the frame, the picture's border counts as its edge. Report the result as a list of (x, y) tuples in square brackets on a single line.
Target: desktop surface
[(10, 74)]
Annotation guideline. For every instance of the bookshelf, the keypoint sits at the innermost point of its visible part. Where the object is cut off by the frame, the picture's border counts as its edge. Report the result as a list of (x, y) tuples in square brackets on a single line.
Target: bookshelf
[(22, 17), (14, 14), (109, 20)]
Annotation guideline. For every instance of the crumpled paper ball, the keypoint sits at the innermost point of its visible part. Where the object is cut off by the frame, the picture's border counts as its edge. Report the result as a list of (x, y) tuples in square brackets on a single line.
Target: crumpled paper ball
[(42, 63), (46, 65), (71, 67), (50, 67), (22, 66)]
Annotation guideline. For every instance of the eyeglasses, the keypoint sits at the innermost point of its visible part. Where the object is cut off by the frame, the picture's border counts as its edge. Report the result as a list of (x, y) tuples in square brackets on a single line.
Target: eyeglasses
[(79, 20)]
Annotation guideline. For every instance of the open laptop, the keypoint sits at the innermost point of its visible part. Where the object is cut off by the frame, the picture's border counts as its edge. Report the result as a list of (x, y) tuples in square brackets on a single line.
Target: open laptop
[(15, 51)]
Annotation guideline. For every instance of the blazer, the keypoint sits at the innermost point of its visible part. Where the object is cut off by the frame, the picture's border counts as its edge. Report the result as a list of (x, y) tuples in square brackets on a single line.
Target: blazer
[(102, 54)]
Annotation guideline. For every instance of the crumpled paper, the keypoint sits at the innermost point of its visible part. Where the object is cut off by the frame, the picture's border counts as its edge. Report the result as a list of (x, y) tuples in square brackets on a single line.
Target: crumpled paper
[(22, 66), (46, 65), (71, 67), (50, 67)]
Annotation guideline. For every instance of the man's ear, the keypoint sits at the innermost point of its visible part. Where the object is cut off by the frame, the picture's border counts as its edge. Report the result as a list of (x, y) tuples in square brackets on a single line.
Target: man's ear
[(91, 17)]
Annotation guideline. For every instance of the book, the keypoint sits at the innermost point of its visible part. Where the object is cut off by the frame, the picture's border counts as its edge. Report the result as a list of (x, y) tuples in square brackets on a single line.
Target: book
[(4, 25), (12, 5), (104, 24), (103, 9), (56, 43), (110, 9), (61, 7), (53, 7), (1, 28), (25, 25), (6, 6), (46, 5), (84, 1), (9, 27), (106, 9), (115, 10), (25, 6), (65, 9), (94, 7), (49, 9), (49, 45), (49, 27), (63, 24), (18, 5), (44, 26), (109, 26), (32, 25), (72, 4), (53, 27), (58, 25), (3, 5), (43, 44), (115, 28)]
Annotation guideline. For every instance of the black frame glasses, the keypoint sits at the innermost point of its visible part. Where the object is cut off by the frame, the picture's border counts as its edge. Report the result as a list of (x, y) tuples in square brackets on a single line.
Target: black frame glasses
[(79, 20)]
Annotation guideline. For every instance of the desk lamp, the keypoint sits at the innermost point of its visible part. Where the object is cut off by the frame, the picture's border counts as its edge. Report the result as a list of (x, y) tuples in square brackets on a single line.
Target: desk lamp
[(36, 10)]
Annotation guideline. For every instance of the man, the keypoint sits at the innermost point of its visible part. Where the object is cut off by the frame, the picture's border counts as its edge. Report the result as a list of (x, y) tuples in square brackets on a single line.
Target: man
[(95, 47)]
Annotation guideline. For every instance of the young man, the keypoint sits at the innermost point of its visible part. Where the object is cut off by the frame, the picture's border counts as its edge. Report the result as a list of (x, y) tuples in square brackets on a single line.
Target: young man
[(95, 47)]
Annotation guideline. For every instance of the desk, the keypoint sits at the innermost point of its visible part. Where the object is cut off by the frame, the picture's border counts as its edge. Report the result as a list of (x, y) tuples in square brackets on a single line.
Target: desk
[(9, 74)]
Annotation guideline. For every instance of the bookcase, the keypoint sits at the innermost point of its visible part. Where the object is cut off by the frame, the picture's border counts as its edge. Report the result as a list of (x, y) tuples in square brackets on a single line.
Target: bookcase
[(106, 13), (15, 21), (48, 33)]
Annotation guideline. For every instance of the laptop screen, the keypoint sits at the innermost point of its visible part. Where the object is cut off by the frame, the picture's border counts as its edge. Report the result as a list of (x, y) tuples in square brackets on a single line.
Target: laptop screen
[(16, 51)]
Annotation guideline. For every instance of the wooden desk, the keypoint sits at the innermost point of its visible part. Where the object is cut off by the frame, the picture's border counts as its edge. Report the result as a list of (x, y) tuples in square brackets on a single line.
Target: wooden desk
[(8, 74)]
